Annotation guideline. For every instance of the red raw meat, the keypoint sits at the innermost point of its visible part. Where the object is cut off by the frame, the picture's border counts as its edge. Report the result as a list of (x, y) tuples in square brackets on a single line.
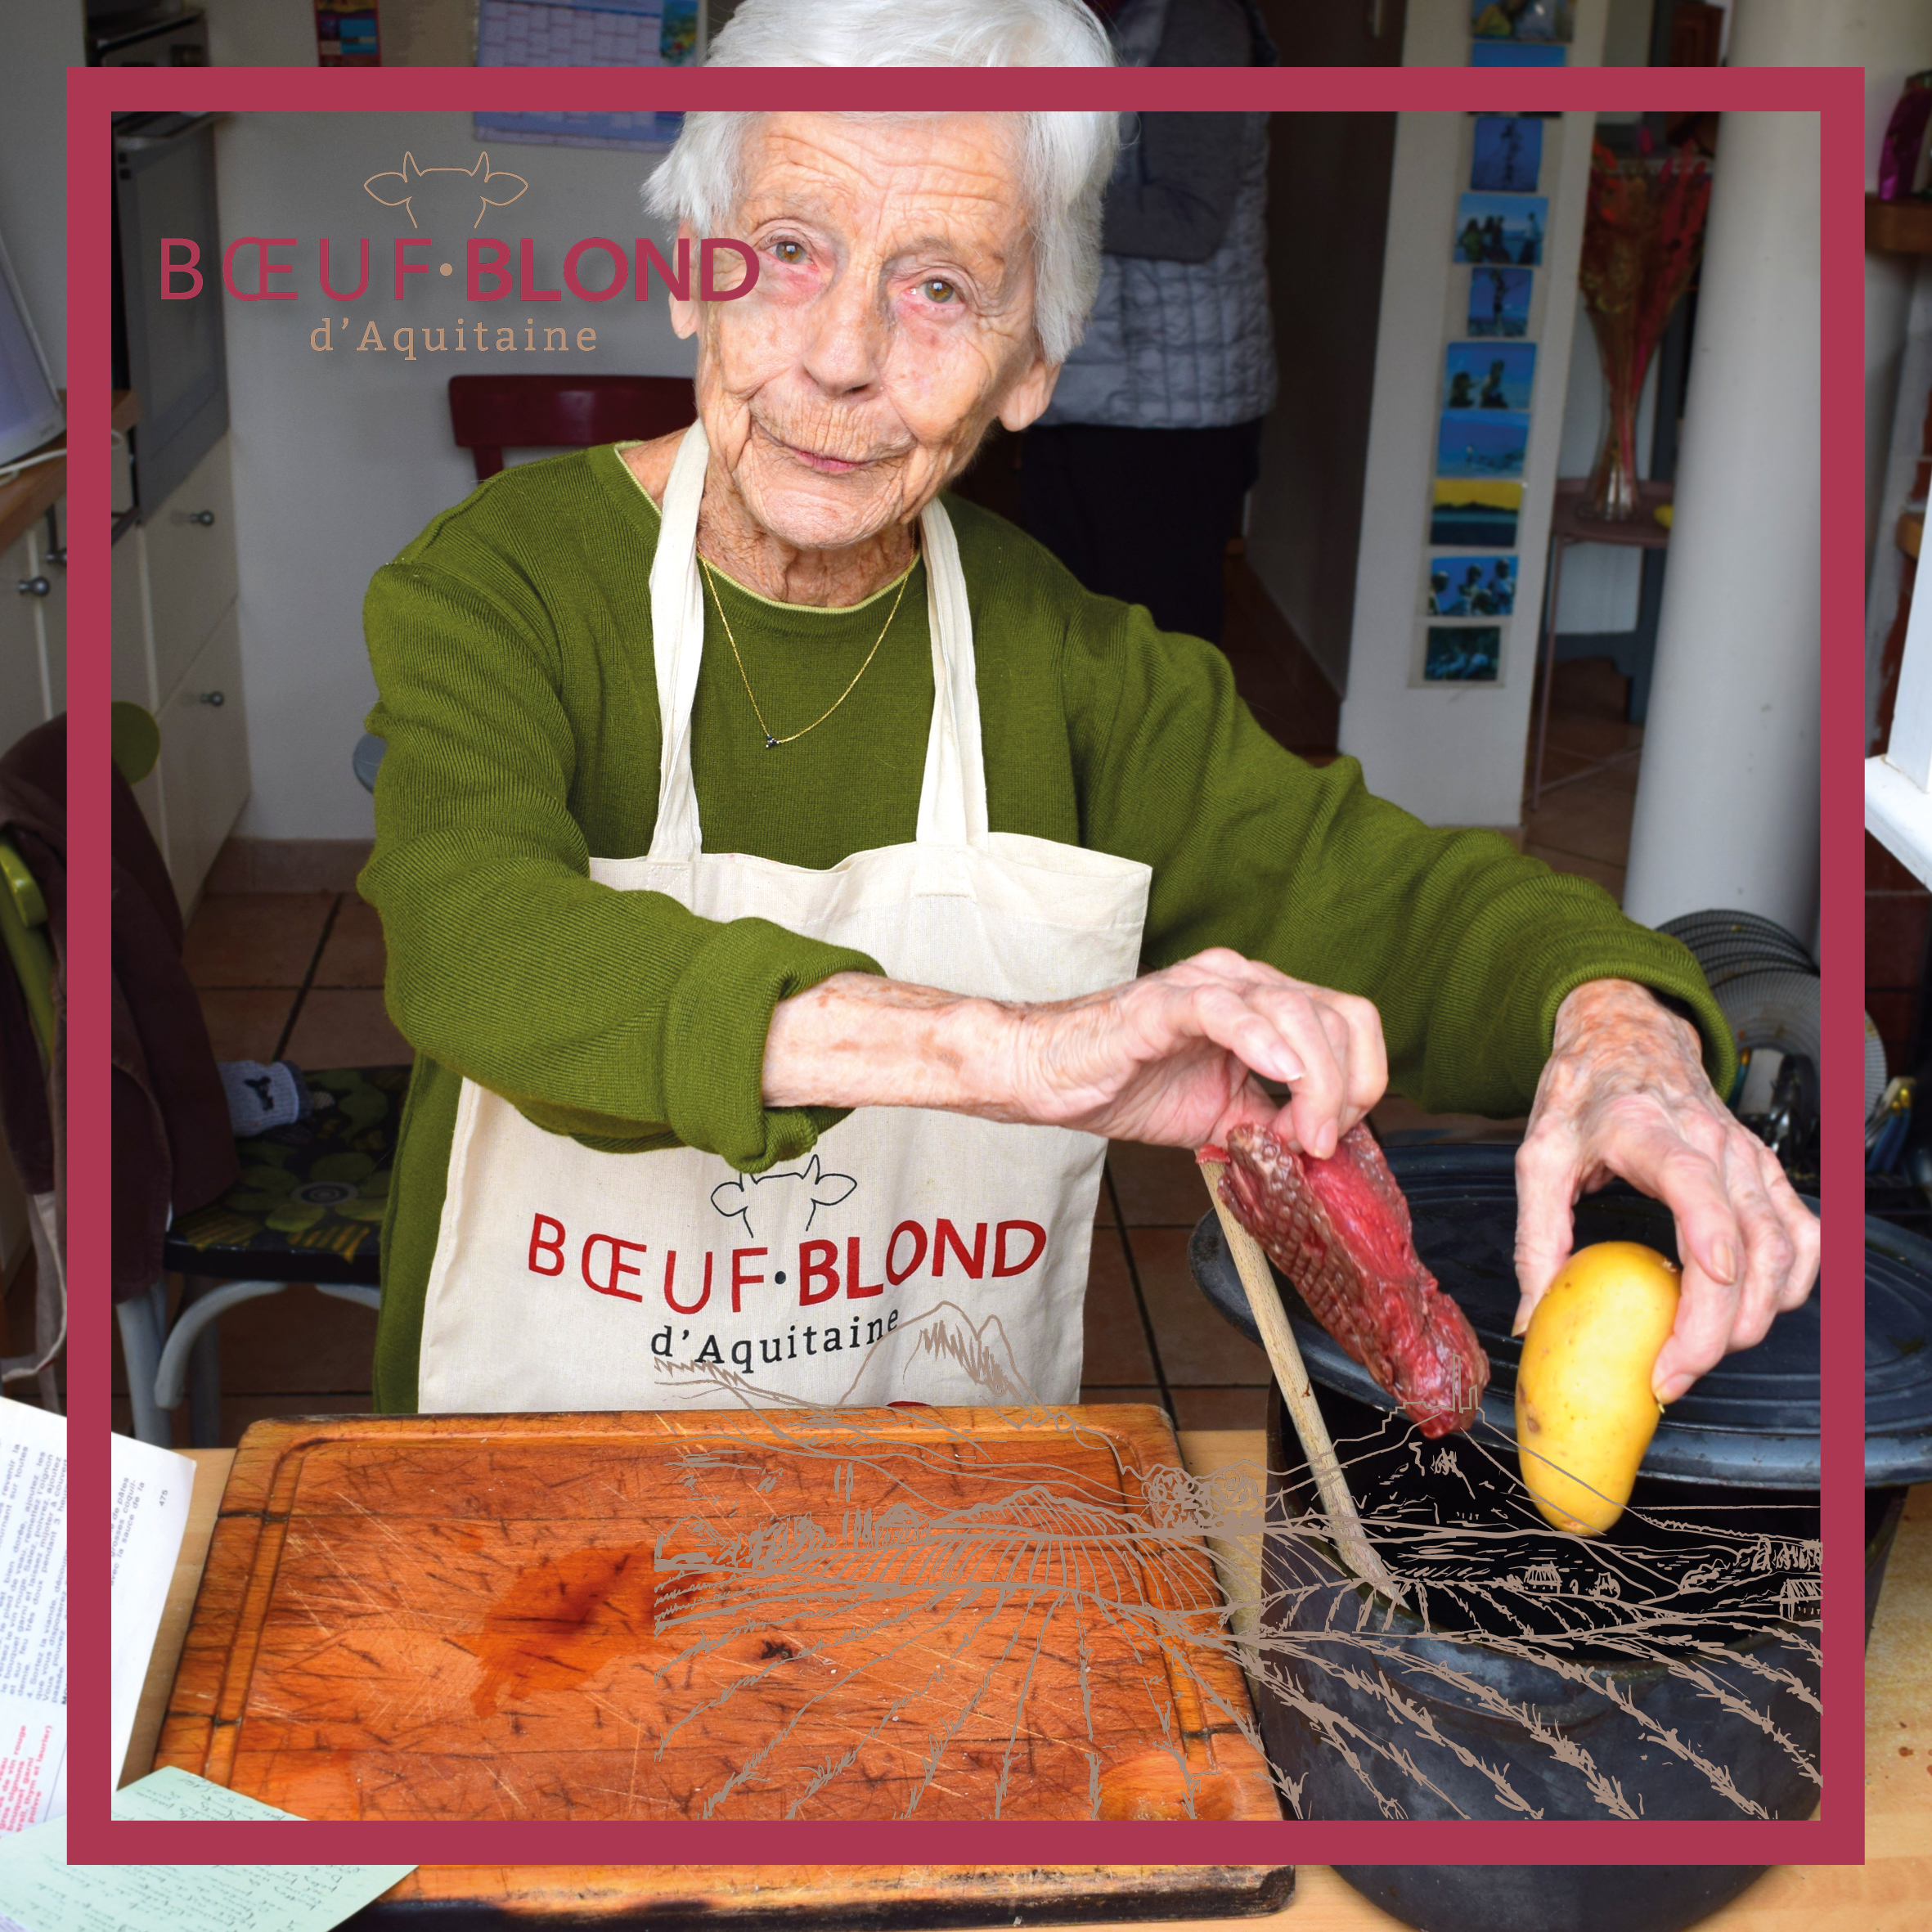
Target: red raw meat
[(1339, 1230)]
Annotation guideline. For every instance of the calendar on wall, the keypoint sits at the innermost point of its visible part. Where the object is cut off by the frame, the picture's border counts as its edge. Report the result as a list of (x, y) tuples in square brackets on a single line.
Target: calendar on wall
[(560, 33)]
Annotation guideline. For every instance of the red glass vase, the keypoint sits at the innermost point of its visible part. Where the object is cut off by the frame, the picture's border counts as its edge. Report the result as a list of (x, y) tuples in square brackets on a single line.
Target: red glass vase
[(1611, 496)]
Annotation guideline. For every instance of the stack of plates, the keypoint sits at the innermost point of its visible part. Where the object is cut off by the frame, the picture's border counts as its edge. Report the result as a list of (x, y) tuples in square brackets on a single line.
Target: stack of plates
[(1729, 944), (1765, 981)]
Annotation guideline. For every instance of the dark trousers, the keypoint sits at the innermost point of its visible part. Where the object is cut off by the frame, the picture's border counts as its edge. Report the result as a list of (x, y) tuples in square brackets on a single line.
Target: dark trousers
[(1142, 514)]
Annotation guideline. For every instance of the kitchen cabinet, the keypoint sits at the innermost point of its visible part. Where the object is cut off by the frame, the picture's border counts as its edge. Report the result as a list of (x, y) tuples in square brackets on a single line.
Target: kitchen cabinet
[(130, 680), (33, 628), (177, 650), (204, 764), (189, 544)]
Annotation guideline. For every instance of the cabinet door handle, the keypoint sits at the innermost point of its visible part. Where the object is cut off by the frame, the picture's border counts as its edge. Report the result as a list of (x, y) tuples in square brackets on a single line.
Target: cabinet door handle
[(35, 586), (204, 518), (214, 698)]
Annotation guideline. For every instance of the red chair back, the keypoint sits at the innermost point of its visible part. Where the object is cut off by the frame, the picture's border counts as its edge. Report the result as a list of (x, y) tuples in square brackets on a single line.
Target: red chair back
[(490, 414)]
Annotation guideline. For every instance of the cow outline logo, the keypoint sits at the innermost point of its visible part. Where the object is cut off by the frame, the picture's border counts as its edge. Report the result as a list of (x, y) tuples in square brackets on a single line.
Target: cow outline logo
[(409, 173), (734, 1201)]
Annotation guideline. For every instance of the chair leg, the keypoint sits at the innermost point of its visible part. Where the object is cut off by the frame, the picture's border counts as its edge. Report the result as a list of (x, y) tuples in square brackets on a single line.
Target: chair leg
[(204, 1372), (357, 1291), (171, 1371), (141, 1347), (50, 1329)]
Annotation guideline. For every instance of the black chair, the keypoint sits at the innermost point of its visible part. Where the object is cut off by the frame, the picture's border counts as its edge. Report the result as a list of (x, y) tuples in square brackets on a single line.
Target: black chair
[(307, 1206)]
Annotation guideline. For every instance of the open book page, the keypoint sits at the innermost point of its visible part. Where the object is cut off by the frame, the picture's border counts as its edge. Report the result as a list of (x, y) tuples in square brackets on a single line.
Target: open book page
[(32, 1617), (41, 1892), (151, 1488)]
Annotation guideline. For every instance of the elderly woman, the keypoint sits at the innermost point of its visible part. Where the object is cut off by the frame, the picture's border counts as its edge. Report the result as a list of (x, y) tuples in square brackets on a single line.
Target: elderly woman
[(768, 846)]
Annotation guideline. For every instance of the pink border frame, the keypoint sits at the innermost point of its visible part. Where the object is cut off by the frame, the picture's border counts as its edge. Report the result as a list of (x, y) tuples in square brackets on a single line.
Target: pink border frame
[(1836, 94)]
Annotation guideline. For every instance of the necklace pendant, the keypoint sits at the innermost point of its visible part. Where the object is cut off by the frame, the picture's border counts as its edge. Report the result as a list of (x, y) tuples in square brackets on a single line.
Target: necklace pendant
[(770, 742)]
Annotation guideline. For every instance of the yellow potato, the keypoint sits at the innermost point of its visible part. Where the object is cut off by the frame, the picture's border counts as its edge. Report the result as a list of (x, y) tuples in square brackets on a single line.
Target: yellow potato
[(1585, 1410)]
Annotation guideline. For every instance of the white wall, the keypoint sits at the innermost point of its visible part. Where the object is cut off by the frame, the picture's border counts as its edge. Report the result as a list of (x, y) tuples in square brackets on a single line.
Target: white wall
[(340, 458), (41, 42)]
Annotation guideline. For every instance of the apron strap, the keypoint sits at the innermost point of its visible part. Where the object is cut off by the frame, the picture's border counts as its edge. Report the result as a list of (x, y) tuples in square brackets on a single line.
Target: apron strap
[(953, 795), (677, 644), (953, 791)]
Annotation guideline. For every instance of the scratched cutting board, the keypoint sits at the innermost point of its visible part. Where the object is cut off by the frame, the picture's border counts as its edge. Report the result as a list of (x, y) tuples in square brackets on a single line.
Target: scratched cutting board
[(818, 1897), (926, 1613)]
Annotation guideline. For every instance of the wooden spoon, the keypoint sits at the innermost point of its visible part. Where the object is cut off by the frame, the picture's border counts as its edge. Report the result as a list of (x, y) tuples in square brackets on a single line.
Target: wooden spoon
[(1284, 1356)]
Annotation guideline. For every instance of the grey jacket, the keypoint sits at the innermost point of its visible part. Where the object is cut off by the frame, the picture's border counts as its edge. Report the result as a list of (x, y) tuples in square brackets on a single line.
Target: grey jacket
[(1181, 337)]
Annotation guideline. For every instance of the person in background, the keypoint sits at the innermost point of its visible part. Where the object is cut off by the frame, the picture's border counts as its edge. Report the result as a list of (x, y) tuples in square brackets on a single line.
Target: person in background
[(1135, 476)]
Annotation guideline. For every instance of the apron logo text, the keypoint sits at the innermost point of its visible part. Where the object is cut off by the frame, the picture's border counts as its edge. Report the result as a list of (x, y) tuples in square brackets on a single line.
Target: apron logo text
[(1017, 1248), (768, 1350)]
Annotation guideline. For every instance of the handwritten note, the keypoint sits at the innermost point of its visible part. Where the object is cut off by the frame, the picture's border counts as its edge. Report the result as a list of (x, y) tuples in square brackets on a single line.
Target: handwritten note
[(32, 1617), (42, 1892), (171, 1793)]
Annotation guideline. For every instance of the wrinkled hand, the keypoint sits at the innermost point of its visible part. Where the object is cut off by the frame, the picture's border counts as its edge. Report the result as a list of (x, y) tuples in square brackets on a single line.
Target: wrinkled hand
[(1625, 1094), (1169, 1058)]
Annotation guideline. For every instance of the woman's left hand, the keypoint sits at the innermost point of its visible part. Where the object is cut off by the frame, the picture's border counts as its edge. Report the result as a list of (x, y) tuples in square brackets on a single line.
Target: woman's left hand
[(1625, 1094)]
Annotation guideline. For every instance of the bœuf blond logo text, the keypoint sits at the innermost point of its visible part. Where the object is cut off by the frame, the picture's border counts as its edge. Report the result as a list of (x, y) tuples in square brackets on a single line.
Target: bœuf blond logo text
[(266, 268), (596, 269)]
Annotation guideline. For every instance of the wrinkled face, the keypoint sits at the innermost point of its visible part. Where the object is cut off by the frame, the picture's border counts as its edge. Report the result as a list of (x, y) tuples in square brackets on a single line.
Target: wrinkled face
[(892, 319)]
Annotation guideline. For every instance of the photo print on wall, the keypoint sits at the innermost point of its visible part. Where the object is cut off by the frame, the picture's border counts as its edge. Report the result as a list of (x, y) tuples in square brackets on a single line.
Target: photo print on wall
[(1485, 375), (1509, 154), (1462, 654), (1515, 53), (1499, 301), (1481, 443), (1471, 587), (1522, 20), (1474, 512), (1501, 230)]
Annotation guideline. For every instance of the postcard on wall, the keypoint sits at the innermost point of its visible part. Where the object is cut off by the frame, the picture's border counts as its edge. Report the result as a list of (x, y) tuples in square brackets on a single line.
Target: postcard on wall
[(1475, 513), (1462, 654), (1471, 587), (1515, 53), (1522, 20), (1499, 301), (1509, 154), (1481, 443), (1503, 230), (1488, 376)]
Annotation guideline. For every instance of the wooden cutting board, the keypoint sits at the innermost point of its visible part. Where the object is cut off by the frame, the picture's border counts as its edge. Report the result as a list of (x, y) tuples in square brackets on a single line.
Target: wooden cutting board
[(883, 1613), (819, 1897)]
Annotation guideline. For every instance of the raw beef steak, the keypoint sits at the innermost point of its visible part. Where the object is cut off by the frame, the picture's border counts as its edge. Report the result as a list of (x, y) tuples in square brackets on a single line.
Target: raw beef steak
[(1339, 1230)]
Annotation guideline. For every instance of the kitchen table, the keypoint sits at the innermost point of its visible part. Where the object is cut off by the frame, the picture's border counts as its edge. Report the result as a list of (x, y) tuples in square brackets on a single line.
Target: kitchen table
[(1892, 1892)]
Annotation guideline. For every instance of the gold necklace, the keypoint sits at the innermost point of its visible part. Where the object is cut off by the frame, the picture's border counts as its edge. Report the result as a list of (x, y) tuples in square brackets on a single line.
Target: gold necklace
[(772, 744)]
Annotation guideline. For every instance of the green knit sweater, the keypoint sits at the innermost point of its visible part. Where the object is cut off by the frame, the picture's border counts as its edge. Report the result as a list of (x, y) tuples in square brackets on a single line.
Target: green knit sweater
[(512, 649)]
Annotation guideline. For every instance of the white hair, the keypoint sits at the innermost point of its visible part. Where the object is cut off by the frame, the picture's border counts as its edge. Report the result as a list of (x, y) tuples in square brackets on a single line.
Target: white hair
[(1065, 158)]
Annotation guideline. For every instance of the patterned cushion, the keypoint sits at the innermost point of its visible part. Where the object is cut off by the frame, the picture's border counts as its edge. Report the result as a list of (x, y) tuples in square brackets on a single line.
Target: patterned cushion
[(308, 1203)]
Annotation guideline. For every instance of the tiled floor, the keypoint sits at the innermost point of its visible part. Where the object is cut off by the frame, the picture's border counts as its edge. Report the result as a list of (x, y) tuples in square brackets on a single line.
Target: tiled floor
[(299, 975), (1582, 822)]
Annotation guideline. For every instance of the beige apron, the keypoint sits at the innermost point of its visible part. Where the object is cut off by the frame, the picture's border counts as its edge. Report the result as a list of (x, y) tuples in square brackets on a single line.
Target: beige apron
[(914, 1254)]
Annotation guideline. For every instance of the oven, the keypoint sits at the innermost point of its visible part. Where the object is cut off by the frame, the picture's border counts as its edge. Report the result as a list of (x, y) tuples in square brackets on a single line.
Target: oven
[(170, 353), (159, 36)]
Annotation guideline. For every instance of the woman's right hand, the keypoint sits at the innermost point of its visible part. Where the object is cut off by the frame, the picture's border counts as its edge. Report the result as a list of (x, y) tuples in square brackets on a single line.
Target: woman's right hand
[(1169, 1058)]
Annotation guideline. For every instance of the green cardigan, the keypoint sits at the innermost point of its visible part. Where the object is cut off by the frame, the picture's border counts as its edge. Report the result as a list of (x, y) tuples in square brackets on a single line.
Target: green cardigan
[(512, 649)]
